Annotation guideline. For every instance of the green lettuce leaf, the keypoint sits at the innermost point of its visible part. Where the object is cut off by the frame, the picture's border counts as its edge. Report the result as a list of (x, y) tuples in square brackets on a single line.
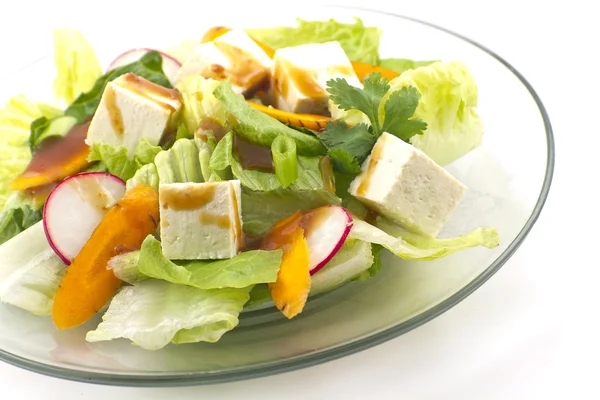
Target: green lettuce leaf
[(245, 269), (309, 176), (148, 67), (199, 102), (154, 313), (259, 128), (400, 65), (15, 220), (448, 104), (44, 128), (116, 161), (180, 164), (415, 247), (147, 175), (15, 121), (360, 43), (30, 271), (77, 67), (260, 210)]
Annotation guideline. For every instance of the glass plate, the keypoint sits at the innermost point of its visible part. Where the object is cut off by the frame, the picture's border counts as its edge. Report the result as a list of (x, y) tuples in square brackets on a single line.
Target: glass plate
[(508, 178)]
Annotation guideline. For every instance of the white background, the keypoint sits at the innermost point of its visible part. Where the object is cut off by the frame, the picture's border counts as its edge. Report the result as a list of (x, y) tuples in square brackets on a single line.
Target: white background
[(532, 330)]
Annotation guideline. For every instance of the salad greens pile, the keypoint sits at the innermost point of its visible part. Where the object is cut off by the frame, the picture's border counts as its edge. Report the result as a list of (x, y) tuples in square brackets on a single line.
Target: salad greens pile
[(430, 104)]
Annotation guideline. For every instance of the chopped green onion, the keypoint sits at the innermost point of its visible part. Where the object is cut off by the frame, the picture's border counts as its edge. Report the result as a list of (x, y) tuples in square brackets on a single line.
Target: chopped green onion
[(283, 150)]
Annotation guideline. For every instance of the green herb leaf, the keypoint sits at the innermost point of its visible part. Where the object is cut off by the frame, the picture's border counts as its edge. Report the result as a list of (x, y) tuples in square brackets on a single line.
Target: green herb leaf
[(399, 109)]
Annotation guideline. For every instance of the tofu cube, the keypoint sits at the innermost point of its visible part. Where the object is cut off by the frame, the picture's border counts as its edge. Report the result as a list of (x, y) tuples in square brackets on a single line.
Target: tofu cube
[(300, 75), (133, 108), (403, 184), (200, 220), (233, 55)]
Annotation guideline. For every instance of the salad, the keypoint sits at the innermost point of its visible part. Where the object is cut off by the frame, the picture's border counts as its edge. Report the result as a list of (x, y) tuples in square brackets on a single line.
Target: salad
[(177, 188)]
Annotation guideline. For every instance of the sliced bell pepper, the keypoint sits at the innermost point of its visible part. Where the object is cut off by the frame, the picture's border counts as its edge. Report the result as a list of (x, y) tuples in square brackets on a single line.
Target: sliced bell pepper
[(310, 121)]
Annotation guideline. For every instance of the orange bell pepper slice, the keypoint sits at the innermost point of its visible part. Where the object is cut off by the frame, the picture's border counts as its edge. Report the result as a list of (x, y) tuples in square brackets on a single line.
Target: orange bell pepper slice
[(88, 285), (362, 69), (57, 159), (310, 121), (290, 291)]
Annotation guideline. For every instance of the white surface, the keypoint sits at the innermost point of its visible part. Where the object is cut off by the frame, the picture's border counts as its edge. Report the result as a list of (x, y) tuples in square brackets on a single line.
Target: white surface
[(531, 331)]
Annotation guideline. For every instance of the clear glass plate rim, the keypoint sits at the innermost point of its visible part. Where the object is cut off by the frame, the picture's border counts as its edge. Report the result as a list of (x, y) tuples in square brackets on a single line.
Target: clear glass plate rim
[(154, 380)]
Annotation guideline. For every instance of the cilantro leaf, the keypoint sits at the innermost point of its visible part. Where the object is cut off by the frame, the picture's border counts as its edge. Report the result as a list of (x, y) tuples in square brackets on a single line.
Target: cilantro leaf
[(356, 140), (366, 100), (399, 108), (344, 162)]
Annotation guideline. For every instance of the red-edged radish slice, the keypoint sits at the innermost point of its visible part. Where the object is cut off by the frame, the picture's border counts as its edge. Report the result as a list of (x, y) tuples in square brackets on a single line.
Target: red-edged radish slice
[(170, 65), (75, 208), (326, 229)]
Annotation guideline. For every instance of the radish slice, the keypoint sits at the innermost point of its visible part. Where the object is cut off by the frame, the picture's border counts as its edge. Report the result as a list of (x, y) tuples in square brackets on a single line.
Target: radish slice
[(76, 207), (326, 230), (170, 65)]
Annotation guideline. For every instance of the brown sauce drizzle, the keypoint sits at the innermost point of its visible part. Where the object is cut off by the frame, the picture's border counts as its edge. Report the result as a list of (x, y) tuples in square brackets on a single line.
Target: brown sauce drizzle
[(239, 234), (188, 199), (304, 81), (245, 70), (114, 112), (363, 188), (215, 219), (158, 94), (326, 168), (252, 156), (211, 124)]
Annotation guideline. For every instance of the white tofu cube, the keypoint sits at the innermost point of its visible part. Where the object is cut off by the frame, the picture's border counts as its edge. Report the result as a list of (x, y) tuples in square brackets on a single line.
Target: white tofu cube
[(233, 55), (403, 184), (201, 220), (300, 75), (133, 108)]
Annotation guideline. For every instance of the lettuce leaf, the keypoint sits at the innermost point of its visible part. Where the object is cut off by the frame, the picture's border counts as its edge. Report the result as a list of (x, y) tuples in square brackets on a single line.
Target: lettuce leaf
[(147, 175), (15, 220), (77, 67), (245, 269), (260, 210), (154, 313), (148, 67), (448, 104), (360, 43), (415, 247), (116, 161), (199, 102), (181, 163), (30, 271), (15, 121), (309, 176), (259, 128), (400, 65)]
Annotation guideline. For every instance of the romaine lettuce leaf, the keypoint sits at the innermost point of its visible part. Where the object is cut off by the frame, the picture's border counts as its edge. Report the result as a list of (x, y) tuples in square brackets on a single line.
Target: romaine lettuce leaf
[(30, 271), (199, 102), (181, 163), (260, 210), (77, 67), (44, 128), (147, 175), (415, 247), (15, 220), (116, 161), (360, 43), (259, 128), (310, 176), (148, 67), (154, 313), (448, 104), (245, 269)]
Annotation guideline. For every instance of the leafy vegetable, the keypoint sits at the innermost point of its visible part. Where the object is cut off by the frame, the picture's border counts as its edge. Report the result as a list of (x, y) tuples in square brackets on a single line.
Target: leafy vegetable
[(260, 210), (147, 175), (154, 313), (349, 146), (16, 220), (245, 269), (148, 67), (116, 161), (181, 163), (400, 65), (448, 103), (125, 267), (44, 128), (283, 151), (199, 102), (359, 42), (257, 127), (30, 271), (415, 247), (77, 67), (310, 176), (15, 120), (353, 258)]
